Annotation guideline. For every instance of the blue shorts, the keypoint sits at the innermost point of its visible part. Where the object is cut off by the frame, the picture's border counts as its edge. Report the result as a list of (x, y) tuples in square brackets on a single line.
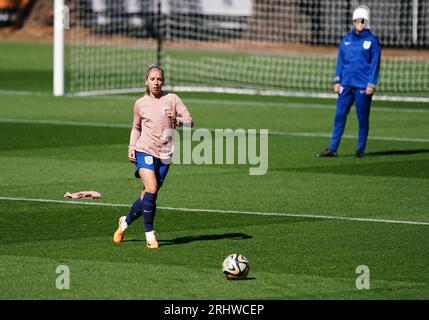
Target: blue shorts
[(147, 161)]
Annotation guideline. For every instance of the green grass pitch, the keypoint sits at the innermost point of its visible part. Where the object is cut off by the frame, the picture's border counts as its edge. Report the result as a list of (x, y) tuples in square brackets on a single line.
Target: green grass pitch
[(309, 251)]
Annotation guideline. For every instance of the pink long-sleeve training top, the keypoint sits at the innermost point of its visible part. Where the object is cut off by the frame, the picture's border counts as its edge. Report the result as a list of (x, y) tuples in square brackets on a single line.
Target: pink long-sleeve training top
[(152, 129)]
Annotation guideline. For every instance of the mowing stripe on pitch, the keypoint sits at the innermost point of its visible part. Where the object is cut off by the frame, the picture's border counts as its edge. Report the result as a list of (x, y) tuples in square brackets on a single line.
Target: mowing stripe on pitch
[(271, 132), (345, 136), (296, 105), (234, 102), (258, 213), (271, 104), (66, 123), (292, 105)]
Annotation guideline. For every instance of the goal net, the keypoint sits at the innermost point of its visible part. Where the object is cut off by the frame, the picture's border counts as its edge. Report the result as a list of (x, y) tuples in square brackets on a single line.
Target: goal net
[(254, 46)]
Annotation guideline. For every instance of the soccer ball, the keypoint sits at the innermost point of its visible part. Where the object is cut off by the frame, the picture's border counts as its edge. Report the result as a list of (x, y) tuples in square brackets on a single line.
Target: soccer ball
[(235, 266)]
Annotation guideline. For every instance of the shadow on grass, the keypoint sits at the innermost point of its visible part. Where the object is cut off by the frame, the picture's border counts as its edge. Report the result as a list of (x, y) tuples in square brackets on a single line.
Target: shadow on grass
[(242, 279), (396, 152), (407, 169), (386, 153), (183, 240)]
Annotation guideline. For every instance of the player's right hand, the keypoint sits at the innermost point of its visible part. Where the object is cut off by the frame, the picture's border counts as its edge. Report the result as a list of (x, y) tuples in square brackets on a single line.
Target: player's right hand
[(337, 88), (132, 155)]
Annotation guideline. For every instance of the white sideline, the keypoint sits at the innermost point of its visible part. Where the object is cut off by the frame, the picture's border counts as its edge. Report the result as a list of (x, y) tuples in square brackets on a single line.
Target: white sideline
[(261, 92), (345, 136), (271, 132), (280, 214)]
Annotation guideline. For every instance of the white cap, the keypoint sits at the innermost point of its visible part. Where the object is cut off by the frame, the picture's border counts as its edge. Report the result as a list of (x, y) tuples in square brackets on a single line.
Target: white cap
[(361, 12)]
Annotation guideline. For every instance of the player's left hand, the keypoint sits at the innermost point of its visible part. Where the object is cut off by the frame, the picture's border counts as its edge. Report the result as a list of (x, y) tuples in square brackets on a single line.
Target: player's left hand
[(172, 116), (169, 113), (369, 91)]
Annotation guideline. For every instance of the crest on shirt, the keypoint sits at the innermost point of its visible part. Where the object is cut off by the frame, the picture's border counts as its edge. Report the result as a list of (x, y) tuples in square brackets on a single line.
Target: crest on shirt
[(148, 160), (164, 110), (366, 44)]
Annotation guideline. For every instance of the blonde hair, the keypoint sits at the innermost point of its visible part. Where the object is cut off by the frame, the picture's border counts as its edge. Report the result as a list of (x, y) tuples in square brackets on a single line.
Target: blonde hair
[(148, 71)]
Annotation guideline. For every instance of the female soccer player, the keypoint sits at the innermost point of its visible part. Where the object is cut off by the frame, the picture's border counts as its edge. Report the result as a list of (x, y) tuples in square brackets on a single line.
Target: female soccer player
[(356, 77), (151, 148)]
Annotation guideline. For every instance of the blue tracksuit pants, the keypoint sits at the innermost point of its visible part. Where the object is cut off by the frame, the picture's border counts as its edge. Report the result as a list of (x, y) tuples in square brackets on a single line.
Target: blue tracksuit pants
[(344, 103)]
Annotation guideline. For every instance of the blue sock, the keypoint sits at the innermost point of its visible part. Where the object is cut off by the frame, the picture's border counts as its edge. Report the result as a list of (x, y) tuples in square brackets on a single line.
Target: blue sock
[(135, 212), (149, 209)]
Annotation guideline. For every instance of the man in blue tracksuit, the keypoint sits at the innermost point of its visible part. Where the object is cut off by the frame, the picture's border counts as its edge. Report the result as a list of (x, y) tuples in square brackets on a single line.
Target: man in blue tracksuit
[(356, 77)]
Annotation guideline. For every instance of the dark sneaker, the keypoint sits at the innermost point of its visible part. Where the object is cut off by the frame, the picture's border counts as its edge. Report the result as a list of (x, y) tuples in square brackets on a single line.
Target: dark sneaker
[(359, 154), (327, 153)]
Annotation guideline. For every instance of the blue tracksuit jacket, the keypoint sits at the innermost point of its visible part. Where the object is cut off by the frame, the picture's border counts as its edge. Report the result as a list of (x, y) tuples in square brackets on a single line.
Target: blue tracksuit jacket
[(358, 61)]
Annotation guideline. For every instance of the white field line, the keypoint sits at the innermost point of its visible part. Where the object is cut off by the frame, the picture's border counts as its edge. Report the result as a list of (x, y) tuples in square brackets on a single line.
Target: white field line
[(25, 93), (270, 104), (257, 213), (263, 92), (346, 136), (264, 104), (271, 132), (233, 102), (280, 93)]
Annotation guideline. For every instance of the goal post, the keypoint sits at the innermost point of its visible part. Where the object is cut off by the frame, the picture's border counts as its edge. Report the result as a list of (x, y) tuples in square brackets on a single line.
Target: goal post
[(58, 45), (274, 47)]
